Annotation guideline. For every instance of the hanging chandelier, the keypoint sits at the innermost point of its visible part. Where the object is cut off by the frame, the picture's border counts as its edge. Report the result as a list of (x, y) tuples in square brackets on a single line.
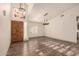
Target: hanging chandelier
[(21, 8), (20, 12)]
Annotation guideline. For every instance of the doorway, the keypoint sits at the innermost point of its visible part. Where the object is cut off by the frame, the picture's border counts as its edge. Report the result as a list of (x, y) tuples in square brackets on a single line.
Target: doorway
[(17, 28)]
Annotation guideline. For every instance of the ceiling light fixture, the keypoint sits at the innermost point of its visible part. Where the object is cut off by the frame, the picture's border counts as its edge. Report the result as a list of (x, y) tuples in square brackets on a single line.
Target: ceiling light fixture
[(20, 12), (21, 8)]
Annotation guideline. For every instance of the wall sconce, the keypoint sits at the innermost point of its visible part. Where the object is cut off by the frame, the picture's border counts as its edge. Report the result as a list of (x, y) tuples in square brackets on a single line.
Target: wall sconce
[(45, 20), (62, 15), (4, 12)]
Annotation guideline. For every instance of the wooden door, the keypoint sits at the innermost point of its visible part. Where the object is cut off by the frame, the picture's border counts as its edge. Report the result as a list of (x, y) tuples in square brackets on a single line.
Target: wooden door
[(16, 31)]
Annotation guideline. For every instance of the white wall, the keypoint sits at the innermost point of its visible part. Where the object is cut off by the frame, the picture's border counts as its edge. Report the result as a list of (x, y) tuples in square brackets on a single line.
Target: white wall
[(4, 29), (64, 28), (35, 29), (25, 31)]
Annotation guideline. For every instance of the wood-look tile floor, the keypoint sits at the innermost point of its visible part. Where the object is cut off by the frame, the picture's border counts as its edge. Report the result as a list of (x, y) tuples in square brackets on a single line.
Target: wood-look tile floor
[(43, 46)]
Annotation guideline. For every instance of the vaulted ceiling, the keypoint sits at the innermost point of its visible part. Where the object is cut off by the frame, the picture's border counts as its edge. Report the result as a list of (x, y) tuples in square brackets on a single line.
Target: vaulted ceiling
[(53, 9)]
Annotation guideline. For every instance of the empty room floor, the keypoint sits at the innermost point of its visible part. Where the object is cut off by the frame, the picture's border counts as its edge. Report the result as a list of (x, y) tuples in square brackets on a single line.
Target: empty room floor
[(43, 46)]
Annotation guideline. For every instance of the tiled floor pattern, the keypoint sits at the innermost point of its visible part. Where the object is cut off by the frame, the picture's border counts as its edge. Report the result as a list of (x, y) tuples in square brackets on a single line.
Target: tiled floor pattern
[(61, 48), (44, 46)]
